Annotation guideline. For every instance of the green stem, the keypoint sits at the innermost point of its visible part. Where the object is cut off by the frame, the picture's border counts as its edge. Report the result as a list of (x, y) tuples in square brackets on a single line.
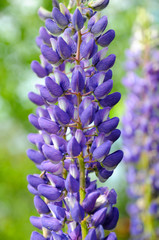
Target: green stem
[(84, 227), (82, 178)]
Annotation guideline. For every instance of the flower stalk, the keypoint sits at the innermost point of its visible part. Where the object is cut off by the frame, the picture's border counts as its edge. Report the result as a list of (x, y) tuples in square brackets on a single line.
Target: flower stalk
[(75, 132)]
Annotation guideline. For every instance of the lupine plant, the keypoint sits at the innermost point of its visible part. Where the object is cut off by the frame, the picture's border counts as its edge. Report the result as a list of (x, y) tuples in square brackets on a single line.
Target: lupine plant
[(141, 136), (75, 131)]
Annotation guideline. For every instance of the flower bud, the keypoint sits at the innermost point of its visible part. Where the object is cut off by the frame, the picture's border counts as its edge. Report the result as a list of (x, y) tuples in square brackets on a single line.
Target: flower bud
[(51, 223), (53, 87), (49, 54), (103, 90), (102, 151), (53, 168), (57, 211), (35, 181), (105, 39), (63, 49), (44, 35), (99, 26), (38, 69), (40, 205), (77, 20), (110, 100), (77, 81), (36, 98), (98, 5), (51, 153), (71, 184), (37, 236), (112, 160), (99, 217), (91, 234), (36, 222), (59, 18), (90, 200), (53, 28), (73, 147), (49, 192), (106, 63), (108, 125), (36, 156), (111, 220)]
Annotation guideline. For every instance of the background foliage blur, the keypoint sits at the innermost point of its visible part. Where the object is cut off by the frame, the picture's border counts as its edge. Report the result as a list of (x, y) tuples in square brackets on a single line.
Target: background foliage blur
[(19, 26)]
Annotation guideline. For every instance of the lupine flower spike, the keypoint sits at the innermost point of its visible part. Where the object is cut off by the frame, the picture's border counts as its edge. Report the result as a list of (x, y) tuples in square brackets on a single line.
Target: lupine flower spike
[(141, 133), (75, 132)]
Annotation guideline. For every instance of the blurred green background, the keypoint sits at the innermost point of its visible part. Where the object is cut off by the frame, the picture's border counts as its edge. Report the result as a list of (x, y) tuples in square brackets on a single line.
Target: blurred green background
[(19, 26)]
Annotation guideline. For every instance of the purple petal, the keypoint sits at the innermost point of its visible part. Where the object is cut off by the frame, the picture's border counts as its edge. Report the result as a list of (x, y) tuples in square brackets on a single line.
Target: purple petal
[(38, 69), (56, 181), (35, 156), (110, 100), (59, 212), (53, 87), (77, 81), (89, 202), (53, 168), (99, 56), (36, 99), (46, 95), (99, 217), (73, 147), (53, 28), (87, 115), (36, 236), (51, 223), (106, 63), (102, 151), (36, 222), (34, 181), (71, 184), (77, 20), (33, 119), (62, 117), (40, 205), (45, 36), (49, 54), (32, 190), (98, 5), (51, 193), (77, 212), (95, 80), (108, 125), (91, 235), (111, 236), (51, 153), (106, 38), (64, 50), (59, 18), (102, 90), (111, 221), (48, 125), (101, 116), (62, 80), (99, 26), (112, 160)]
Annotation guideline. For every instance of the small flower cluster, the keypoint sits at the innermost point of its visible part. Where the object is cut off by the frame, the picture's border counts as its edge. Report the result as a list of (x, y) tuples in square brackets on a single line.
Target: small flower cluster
[(75, 131), (141, 141)]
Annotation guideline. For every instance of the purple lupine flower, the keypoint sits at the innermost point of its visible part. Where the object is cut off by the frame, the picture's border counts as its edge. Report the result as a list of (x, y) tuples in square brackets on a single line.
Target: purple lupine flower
[(75, 130), (140, 138)]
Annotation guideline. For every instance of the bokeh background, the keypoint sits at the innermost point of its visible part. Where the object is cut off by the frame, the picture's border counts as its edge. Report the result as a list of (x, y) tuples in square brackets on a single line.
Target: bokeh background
[(19, 26)]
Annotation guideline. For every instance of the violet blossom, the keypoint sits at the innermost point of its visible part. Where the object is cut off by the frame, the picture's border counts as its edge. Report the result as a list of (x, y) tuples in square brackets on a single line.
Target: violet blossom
[(75, 132), (141, 137)]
